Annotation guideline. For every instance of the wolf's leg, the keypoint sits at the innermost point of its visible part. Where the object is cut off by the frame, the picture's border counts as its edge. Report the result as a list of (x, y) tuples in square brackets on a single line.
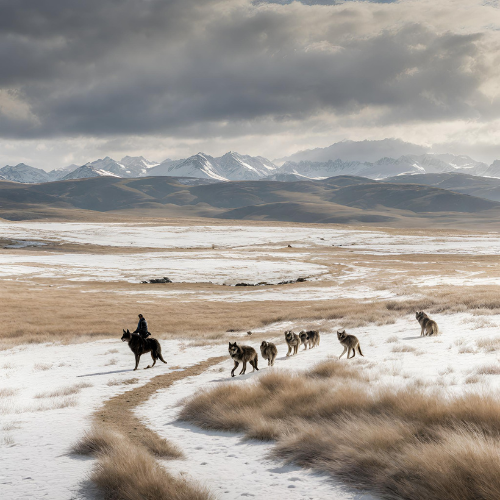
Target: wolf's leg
[(345, 350), (137, 358), (244, 369), (153, 355), (235, 366), (422, 334), (271, 359), (289, 350)]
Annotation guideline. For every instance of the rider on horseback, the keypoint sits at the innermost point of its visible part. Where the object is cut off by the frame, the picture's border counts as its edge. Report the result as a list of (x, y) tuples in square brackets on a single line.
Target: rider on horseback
[(142, 327)]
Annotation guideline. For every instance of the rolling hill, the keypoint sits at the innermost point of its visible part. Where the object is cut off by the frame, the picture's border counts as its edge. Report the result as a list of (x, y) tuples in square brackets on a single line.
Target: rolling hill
[(474, 185), (342, 199)]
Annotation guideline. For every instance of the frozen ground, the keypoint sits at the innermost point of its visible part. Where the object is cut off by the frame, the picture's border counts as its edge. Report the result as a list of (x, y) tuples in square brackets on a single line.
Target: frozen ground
[(394, 354), (37, 431), (209, 266), (166, 237)]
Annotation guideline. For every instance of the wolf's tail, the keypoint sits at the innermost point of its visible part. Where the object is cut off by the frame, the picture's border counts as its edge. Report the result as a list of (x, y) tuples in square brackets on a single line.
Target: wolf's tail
[(359, 350), (158, 352)]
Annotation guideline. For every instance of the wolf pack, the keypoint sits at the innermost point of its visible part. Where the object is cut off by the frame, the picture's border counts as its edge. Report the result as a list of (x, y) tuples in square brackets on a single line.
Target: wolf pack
[(309, 339), (246, 354)]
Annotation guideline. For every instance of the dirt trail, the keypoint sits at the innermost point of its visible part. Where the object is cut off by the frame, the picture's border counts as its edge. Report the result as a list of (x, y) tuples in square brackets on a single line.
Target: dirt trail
[(118, 414)]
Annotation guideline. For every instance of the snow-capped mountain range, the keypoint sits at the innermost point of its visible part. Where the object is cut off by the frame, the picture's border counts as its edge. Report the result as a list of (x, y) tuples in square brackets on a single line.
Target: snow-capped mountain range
[(237, 167), (390, 167), (230, 167)]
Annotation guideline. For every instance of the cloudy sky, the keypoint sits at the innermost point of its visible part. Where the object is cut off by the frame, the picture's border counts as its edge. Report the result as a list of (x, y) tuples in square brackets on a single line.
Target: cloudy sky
[(81, 80)]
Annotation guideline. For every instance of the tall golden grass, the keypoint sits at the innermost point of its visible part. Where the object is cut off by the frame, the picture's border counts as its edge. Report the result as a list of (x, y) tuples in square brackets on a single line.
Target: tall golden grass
[(59, 315), (127, 471), (411, 443)]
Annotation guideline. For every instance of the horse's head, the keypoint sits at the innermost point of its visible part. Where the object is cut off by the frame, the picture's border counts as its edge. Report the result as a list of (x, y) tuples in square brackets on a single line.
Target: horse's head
[(126, 336)]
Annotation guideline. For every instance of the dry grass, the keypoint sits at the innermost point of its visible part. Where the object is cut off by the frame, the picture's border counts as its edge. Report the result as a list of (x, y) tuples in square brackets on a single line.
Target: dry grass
[(67, 402), (488, 370), (6, 392), (126, 448), (414, 443), (473, 379), (61, 312), (128, 381), (41, 367), (392, 339), (466, 349), (403, 348), (488, 344), (7, 441), (64, 391), (98, 439), (127, 471)]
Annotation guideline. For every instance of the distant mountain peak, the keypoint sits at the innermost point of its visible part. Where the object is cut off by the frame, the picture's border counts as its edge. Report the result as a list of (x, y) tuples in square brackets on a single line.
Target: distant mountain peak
[(88, 171)]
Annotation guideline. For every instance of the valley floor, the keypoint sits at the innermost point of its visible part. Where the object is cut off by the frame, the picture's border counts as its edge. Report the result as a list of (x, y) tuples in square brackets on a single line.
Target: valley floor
[(55, 374)]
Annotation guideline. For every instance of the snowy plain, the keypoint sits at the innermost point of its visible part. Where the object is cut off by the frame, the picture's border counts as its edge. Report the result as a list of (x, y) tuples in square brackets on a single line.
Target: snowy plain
[(395, 355), (37, 429), (36, 432), (204, 236)]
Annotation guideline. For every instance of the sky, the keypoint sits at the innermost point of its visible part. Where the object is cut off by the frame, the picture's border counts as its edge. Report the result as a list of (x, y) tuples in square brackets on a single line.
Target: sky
[(168, 78)]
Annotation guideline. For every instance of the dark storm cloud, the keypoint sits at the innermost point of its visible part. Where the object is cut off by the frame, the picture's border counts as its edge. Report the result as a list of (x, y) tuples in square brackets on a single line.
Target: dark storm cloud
[(100, 68), (321, 2)]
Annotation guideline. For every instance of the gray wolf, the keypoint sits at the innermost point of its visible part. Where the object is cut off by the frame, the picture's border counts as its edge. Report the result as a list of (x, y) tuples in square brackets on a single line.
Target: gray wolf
[(268, 351), (350, 342), (242, 354), (428, 326), (140, 346), (313, 338), (293, 341), (304, 340)]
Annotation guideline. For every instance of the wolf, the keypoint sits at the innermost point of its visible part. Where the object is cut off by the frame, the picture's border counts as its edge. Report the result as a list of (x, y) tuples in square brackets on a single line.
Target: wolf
[(304, 339), (140, 346), (428, 326), (313, 338), (293, 341), (268, 351), (350, 342), (243, 354)]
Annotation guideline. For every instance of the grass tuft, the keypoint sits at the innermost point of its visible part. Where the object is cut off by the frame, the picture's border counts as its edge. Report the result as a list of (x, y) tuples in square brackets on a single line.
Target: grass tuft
[(415, 443)]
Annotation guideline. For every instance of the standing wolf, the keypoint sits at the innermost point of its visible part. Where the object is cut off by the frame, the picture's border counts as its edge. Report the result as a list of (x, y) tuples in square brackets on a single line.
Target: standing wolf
[(313, 338), (304, 340), (293, 341), (140, 346), (350, 342), (428, 326), (242, 354), (269, 352), (309, 339)]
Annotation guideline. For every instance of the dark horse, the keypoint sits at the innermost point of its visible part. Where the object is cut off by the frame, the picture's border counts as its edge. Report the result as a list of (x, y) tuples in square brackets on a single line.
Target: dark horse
[(140, 346)]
